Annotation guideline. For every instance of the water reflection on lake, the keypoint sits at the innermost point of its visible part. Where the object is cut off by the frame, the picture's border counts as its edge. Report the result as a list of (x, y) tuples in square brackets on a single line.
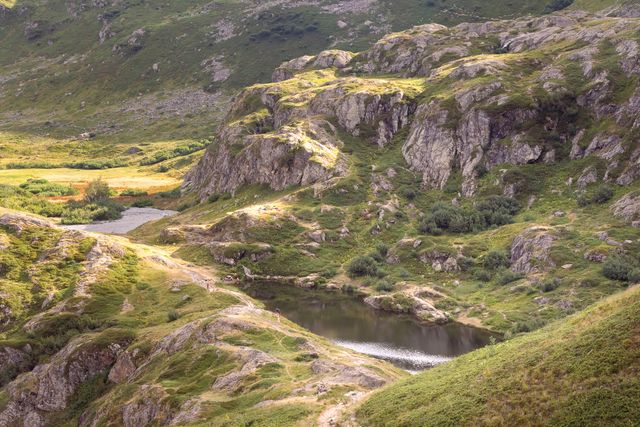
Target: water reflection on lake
[(347, 321), (131, 219)]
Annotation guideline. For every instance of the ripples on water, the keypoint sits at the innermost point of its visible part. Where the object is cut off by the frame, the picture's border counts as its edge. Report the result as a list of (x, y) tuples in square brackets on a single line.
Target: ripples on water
[(413, 361)]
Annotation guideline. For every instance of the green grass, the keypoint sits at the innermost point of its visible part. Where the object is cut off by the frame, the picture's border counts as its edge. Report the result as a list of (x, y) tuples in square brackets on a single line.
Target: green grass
[(580, 371)]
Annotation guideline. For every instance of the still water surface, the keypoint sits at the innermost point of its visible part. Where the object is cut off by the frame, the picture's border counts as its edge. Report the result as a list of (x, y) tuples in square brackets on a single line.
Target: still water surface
[(131, 219), (347, 321)]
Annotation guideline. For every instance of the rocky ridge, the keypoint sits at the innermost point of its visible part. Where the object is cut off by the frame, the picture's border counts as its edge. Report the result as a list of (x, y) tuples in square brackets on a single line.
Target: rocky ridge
[(472, 97)]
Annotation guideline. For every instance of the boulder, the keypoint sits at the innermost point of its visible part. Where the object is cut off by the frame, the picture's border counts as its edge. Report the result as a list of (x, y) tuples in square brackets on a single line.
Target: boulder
[(530, 251)]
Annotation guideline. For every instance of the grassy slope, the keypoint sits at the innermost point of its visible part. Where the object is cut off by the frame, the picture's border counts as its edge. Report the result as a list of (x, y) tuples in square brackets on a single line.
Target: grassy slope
[(147, 286), (581, 371)]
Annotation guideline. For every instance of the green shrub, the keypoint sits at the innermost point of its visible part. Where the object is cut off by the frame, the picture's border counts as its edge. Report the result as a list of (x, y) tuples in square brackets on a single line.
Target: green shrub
[(601, 195), (508, 276), (494, 210), (45, 188), (134, 193), (97, 191), (173, 315), (618, 267), (482, 275), (142, 203), (496, 260), (556, 5), (466, 263), (181, 150), (384, 286), (549, 285), (363, 266)]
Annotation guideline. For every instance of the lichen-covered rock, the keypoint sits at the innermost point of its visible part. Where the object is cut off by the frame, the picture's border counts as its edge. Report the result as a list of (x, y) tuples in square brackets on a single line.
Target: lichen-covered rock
[(530, 251), (436, 145), (299, 155), (34, 396), (628, 207)]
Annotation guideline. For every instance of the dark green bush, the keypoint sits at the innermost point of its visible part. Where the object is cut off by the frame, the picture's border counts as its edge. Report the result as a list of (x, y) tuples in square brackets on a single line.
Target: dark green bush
[(618, 267), (466, 263), (45, 188), (549, 285), (508, 276), (142, 203), (384, 286), (496, 260), (494, 210), (363, 266), (556, 5), (173, 315), (601, 195), (482, 275), (97, 191), (134, 193)]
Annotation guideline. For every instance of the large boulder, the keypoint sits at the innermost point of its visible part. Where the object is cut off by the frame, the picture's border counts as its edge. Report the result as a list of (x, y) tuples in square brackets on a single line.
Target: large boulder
[(530, 251)]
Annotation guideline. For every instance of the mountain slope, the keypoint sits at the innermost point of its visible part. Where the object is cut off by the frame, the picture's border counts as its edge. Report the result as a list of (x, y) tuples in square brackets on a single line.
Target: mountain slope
[(96, 331), (119, 74), (581, 371), (476, 173)]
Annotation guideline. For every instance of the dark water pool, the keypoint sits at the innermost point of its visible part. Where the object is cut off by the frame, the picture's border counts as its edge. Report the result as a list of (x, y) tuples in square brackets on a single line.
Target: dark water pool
[(347, 321)]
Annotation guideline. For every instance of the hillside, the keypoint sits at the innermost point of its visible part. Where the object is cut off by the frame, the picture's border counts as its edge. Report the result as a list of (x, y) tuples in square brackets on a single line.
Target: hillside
[(106, 332), (581, 371), (105, 79), (485, 173), (471, 165)]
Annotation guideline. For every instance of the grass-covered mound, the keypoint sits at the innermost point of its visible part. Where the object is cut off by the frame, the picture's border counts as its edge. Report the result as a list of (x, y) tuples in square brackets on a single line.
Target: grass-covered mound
[(581, 371)]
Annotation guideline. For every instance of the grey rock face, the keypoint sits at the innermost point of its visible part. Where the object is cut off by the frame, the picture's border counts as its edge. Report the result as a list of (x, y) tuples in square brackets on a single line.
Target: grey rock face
[(278, 160), (35, 395), (530, 251), (628, 207), (435, 147)]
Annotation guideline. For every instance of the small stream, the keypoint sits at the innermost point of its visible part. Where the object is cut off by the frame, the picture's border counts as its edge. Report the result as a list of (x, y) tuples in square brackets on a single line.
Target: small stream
[(347, 321), (131, 219)]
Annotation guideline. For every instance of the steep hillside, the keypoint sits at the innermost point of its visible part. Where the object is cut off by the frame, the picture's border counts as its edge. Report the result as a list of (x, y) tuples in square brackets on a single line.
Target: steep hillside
[(582, 371), (130, 80), (95, 331), (485, 173)]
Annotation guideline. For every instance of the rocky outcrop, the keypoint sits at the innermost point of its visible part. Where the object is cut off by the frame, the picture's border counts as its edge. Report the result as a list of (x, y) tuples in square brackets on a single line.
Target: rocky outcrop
[(628, 207), (530, 251), (438, 143), (292, 156), (34, 396)]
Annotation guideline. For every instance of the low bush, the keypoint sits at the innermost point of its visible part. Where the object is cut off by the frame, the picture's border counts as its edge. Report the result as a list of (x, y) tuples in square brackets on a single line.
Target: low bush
[(44, 188), (601, 195), (130, 192), (482, 275), (363, 266), (492, 211), (619, 267), (97, 191), (549, 285), (495, 260), (142, 203), (179, 151), (508, 276), (384, 286)]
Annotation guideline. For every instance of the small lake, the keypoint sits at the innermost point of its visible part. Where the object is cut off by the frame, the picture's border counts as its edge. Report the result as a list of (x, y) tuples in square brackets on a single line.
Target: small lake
[(400, 339), (131, 219)]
